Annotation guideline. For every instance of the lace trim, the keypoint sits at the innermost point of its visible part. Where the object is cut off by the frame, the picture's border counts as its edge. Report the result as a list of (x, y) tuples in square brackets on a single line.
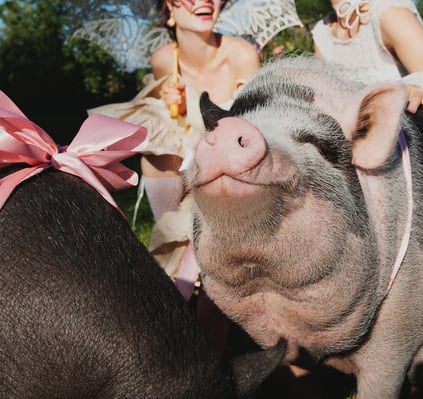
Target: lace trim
[(130, 40), (259, 19)]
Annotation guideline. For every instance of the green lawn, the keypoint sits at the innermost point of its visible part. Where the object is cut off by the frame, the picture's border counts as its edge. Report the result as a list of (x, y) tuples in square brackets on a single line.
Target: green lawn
[(126, 200)]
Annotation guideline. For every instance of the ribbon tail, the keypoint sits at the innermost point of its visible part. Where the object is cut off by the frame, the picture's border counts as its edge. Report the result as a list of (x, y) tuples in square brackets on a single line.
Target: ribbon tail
[(116, 177), (9, 182), (7, 104)]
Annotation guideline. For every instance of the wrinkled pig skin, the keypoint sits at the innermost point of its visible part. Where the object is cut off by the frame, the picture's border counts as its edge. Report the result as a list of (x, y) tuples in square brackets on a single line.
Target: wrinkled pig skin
[(297, 238), (85, 311)]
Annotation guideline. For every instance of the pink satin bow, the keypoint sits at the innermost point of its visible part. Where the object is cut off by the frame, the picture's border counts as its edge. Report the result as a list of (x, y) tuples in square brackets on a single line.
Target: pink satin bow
[(94, 155)]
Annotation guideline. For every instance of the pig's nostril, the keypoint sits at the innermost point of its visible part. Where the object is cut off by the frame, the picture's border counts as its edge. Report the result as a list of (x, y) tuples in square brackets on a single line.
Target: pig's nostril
[(241, 142)]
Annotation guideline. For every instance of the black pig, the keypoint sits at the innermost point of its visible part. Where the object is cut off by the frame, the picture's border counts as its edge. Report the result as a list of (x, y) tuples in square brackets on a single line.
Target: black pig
[(86, 312)]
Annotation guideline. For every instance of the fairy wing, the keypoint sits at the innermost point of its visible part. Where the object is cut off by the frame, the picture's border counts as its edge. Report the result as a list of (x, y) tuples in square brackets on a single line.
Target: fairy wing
[(259, 19), (132, 36), (129, 40)]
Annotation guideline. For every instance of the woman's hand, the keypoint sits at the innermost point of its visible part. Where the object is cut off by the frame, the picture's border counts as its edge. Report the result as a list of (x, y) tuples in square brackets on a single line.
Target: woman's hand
[(415, 98), (174, 93)]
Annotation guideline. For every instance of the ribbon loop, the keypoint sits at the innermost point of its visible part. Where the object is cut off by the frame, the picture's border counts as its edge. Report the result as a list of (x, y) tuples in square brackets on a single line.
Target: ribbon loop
[(94, 155)]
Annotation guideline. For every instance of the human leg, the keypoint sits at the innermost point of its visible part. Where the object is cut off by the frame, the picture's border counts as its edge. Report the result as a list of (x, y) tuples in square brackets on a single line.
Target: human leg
[(163, 183)]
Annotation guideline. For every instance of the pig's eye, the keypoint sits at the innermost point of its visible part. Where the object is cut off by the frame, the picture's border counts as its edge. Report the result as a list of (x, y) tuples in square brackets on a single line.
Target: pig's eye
[(327, 148)]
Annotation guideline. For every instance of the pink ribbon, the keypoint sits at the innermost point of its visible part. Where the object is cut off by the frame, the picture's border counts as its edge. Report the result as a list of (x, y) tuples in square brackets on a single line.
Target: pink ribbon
[(94, 155), (407, 232)]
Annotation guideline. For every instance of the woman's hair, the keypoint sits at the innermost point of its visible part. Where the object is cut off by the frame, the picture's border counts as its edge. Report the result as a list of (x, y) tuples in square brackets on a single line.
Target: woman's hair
[(165, 14)]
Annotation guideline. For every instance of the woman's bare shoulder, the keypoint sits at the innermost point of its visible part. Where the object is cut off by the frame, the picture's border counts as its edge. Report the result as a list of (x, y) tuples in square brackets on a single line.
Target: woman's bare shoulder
[(241, 53), (236, 41), (162, 61)]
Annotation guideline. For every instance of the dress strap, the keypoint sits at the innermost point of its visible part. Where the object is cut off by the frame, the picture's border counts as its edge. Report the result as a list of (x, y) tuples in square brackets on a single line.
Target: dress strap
[(174, 108)]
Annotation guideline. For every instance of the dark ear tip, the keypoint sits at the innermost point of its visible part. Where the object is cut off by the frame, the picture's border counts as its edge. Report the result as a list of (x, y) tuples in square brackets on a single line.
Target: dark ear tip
[(205, 102), (204, 98), (210, 112)]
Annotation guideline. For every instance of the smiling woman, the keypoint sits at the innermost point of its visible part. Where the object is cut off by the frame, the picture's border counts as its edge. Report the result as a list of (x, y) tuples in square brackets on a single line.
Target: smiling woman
[(206, 61), (198, 60)]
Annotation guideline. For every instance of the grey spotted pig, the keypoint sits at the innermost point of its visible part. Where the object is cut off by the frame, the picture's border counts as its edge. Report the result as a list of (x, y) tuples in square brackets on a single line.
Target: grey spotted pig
[(302, 215)]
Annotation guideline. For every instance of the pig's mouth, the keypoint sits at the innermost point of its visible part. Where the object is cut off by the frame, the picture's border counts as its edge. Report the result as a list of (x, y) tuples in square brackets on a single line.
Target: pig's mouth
[(273, 171), (227, 185), (264, 175)]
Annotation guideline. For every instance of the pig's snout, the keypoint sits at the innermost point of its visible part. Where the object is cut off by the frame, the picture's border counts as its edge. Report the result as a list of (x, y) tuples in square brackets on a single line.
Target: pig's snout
[(232, 149)]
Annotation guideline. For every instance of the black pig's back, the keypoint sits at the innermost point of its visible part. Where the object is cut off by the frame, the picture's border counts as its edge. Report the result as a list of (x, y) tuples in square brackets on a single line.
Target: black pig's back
[(85, 312)]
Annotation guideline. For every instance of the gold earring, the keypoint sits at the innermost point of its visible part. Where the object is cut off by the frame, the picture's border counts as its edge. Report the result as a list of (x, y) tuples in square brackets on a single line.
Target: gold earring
[(171, 21)]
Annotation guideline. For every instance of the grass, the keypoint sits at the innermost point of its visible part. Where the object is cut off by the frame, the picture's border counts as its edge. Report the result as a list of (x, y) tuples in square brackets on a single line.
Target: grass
[(126, 200), (144, 222)]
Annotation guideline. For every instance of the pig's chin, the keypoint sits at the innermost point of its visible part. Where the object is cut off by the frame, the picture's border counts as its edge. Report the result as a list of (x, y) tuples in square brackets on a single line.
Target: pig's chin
[(227, 187), (234, 204)]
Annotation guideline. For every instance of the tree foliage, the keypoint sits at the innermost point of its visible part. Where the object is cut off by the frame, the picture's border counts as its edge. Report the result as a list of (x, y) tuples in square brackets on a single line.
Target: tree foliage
[(51, 78), (54, 78), (32, 44), (296, 40)]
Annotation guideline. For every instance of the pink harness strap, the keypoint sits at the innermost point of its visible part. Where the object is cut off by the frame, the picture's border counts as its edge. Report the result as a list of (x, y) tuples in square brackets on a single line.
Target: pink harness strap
[(406, 236), (189, 270)]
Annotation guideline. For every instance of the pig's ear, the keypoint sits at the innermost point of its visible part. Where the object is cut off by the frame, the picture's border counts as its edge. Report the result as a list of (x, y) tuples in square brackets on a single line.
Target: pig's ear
[(377, 125), (251, 369), (210, 112)]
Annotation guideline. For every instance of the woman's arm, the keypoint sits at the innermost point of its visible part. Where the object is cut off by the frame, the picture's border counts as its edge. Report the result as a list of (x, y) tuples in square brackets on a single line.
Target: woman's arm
[(402, 34), (162, 65)]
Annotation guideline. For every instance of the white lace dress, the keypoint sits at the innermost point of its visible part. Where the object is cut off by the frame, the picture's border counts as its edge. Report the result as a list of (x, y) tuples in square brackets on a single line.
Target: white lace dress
[(165, 135), (364, 57), (172, 232)]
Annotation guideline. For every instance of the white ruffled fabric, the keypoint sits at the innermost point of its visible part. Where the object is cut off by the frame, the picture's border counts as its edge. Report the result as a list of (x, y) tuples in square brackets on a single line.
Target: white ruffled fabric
[(166, 135), (415, 78), (364, 57), (172, 232)]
